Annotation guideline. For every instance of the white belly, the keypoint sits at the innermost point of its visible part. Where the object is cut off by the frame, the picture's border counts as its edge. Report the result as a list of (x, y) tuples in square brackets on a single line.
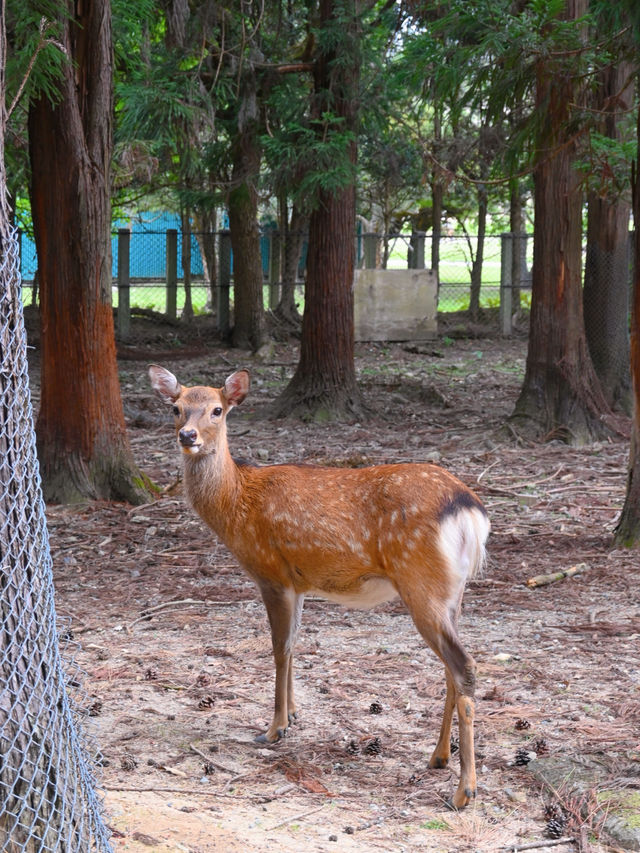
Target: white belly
[(371, 592)]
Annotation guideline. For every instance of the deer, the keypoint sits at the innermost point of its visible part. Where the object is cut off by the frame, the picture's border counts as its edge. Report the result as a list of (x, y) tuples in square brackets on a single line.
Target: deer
[(356, 536)]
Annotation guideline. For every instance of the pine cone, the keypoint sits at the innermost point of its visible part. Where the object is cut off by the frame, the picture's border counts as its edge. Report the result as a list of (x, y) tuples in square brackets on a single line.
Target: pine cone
[(209, 769), (95, 708), (554, 828), (205, 703), (521, 724), (375, 708), (128, 762), (523, 757), (373, 747), (454, 745), (353, 747), (554, 811), (540, 746)]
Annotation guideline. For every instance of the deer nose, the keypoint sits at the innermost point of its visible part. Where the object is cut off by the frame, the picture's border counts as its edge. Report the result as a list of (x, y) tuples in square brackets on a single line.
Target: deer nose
[(187, 437)]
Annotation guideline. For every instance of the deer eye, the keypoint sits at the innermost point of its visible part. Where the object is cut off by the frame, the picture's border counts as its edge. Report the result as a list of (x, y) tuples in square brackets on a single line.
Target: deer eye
[(175, 410), (217, 412)]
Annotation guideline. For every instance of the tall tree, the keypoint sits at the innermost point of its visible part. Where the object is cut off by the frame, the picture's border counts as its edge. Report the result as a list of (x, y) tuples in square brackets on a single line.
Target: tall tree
[(628, 528), (606, 275), (627, 531), (82, 440), (249, 329), (324, 384), (561, 396)]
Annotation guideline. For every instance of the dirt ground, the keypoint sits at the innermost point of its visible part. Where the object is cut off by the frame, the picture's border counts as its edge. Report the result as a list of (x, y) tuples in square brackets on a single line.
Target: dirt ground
[(175, 645)]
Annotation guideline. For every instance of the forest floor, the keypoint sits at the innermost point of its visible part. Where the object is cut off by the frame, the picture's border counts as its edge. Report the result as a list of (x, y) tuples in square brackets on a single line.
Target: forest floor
[(175, 644)]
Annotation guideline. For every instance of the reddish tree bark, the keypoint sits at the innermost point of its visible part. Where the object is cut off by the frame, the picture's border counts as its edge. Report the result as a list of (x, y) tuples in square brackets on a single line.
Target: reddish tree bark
[(561, 396), (249, 327), (82, 441), (628, 528), (324, 385), (606, 278), (293, 233)]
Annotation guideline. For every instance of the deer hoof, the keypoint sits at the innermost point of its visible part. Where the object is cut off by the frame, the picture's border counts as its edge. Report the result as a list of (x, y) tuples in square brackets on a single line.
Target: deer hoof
[(460, 799), (280, 733), (437, 763)]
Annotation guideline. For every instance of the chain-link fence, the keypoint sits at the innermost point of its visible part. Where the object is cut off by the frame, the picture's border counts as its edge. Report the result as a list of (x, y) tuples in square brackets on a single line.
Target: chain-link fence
[(152, 279), (48, 800)]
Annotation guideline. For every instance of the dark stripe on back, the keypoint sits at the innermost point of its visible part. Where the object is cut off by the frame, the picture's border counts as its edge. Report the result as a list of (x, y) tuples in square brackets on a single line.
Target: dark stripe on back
[(459, 501)]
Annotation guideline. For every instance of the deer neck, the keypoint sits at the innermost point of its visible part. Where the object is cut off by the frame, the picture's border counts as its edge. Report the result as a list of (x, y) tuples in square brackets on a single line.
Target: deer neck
[(212, 487)]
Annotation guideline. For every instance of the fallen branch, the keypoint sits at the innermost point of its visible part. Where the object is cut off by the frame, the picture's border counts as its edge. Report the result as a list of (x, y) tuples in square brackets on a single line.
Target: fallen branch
[(294, 818), (197, 792), (543, 580), (215, 764), (149, 612), (533, 845)]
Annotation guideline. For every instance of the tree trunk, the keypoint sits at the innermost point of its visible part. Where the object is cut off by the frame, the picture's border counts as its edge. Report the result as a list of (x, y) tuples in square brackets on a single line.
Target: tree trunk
[(606, 278), (206, 224), (294, 233), (561, 396), (478, 260), (437, 198), (324, 385), (82, 440), (519, 250), (185, 224), (627, 532), (437, 195), (249, 329)]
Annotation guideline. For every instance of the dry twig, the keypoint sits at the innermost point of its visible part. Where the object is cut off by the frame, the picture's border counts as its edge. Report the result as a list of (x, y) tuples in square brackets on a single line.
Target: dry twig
[(534, 845), (543, 580), (295, 817)]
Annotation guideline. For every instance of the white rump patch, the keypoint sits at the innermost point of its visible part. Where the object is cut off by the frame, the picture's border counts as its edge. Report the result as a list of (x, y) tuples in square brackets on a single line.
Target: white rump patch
[(462, 541)]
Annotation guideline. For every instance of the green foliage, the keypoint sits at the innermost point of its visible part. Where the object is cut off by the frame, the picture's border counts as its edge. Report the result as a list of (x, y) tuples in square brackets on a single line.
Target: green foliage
[(35, 54), (445, 96), (315, 152)]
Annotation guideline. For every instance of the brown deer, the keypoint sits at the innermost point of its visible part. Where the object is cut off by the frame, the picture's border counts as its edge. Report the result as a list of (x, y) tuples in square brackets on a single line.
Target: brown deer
[(356, 536)]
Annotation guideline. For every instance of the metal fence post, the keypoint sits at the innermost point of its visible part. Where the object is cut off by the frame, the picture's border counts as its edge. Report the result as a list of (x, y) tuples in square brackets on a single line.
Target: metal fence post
[(172, 273), (224, 281), (274, 268), (124, 283), (506, 283)]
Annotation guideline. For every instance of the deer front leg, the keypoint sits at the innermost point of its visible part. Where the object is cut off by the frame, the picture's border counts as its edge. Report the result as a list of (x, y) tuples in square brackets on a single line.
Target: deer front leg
[(284, 609)]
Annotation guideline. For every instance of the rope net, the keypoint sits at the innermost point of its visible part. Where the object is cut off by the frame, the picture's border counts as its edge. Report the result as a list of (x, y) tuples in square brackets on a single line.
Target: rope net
[(48, 798)]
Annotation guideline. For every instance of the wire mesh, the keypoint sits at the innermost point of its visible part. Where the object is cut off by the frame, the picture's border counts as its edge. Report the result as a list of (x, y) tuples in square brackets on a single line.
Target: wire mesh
[(148, 288), (48, 797)]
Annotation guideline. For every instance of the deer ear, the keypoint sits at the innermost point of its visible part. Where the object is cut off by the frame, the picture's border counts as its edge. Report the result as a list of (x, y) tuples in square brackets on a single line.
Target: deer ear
[(164, 383), (236, 387)]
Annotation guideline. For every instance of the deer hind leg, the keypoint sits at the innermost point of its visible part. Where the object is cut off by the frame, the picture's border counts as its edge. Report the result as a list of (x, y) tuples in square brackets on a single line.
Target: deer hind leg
[(284, 609), (442, 753), (440, 634)]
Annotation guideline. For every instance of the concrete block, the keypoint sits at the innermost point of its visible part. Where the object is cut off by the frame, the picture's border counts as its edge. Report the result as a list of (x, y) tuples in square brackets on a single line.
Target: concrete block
[(395, 305)]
